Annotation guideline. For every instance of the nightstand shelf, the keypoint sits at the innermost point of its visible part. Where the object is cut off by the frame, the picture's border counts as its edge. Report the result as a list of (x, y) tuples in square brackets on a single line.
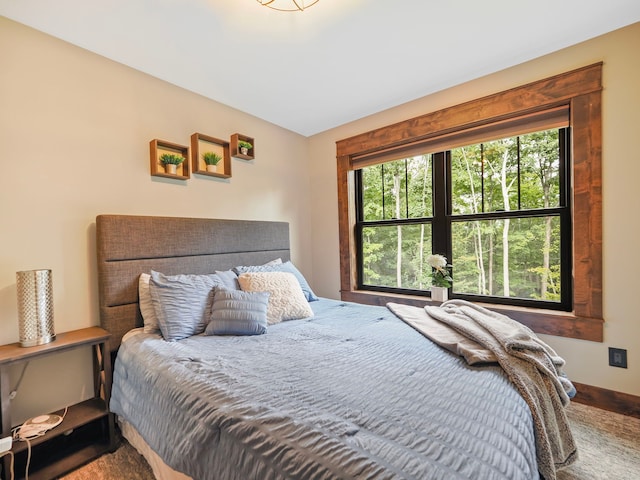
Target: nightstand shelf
[(88, 429)]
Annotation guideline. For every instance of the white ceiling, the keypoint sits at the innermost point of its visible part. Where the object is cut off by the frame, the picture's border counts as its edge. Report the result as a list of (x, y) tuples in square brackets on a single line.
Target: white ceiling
[(338, 61)]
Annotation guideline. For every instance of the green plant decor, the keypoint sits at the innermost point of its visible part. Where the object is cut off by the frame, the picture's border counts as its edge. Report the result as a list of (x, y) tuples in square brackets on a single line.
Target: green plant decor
[(171, 159), (211, 158), (242, 143)]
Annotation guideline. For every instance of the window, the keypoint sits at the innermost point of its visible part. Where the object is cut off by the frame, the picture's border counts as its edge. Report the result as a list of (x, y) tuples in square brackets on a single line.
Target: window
[(437, 139), (502, 217)]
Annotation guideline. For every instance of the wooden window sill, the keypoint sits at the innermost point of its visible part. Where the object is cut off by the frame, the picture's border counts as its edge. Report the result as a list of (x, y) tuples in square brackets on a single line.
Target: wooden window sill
[(549, 322)]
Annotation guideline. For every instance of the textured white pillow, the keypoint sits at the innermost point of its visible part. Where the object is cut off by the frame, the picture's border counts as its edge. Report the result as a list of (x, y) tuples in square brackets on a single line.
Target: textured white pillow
[(146, 305), (286, 299), (275, 266)]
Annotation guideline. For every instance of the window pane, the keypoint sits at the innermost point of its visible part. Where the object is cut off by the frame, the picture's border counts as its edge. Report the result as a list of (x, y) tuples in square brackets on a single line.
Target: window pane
[(420, 191), (372, 193), (520, 172), (394, 189), (397, 190), (508, 258), (395, 256), (466, 180), (540, 170)]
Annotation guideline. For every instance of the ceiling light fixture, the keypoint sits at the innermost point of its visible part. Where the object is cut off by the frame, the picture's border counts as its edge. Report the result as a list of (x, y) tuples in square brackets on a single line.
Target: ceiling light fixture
[(288, 5)]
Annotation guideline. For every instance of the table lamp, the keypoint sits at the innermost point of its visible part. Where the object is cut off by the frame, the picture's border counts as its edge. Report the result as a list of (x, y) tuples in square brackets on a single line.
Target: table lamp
[(35, 307)]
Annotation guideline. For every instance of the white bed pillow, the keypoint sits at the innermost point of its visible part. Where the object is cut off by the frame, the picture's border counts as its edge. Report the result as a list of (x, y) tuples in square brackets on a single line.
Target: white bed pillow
[(229, 279), (286, 299), (146, 305), (275, 266), (275, 261)]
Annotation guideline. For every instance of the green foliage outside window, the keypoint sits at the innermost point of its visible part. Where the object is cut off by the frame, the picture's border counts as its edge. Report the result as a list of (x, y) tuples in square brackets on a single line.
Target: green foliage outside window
[(513, 186)]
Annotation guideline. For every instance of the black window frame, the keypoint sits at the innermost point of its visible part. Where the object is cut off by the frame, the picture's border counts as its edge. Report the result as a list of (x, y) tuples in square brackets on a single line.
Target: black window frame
[(442, 220)]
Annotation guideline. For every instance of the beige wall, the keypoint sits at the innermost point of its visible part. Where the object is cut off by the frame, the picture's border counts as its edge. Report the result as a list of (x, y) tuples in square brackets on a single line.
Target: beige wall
[(587, 362), (74, 136)]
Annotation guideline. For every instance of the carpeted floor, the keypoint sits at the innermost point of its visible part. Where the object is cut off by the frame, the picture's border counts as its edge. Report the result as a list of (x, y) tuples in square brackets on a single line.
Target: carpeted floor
[(123, 464), (608, 448), (608, 445)]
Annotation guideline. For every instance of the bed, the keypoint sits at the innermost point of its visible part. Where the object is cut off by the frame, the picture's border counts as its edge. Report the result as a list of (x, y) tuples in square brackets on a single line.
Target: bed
[(347, 391)]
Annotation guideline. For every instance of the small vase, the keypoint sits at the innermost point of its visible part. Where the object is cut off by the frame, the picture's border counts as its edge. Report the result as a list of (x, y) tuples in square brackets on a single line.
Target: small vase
[(170, 168), (244, 150), (212, 168), (439, 294)]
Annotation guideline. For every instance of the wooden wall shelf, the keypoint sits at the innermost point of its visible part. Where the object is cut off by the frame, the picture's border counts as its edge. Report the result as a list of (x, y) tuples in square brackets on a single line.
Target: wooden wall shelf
[(201, 144), (235, 149), (160, 147)]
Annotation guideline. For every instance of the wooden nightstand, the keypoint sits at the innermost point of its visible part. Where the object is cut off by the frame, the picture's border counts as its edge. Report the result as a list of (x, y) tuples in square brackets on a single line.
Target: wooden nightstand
[(88, 429)]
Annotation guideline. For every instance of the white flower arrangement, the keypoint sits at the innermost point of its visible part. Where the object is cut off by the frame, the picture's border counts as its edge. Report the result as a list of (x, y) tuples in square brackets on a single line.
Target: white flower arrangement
[(441, 273)]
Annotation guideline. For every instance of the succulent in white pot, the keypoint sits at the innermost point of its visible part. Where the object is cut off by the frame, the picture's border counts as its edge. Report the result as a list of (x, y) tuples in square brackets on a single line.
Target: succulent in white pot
[(211, 159), (244, 147), (170, 161)]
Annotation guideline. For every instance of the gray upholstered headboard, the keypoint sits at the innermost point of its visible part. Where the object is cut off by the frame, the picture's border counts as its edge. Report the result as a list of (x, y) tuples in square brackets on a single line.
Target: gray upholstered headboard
[(130, 245)]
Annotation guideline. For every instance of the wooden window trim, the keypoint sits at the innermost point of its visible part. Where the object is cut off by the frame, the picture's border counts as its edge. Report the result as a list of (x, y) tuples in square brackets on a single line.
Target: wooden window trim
[(581, 89)]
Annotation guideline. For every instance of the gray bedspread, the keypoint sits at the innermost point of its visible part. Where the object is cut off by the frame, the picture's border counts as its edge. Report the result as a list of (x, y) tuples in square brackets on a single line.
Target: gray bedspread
[(352, 393), (478, 334)]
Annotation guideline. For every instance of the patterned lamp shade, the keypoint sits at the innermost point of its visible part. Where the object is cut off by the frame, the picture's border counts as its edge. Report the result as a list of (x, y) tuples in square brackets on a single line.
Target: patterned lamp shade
[(35, 307)]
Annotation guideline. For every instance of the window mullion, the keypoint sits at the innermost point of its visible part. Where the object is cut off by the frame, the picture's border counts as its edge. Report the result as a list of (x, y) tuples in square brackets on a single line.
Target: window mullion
[(384, 213), (565, 201), (440, 242), (406, 188), (519, 198), (482, 177)]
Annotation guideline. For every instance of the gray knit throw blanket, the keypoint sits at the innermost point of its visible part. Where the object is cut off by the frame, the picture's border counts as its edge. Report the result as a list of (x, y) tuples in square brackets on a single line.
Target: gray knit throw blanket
[(531, 365)]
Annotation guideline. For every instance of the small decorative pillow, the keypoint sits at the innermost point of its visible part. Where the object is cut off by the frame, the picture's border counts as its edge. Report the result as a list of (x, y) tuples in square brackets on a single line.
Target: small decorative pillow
[(182, 303), (286, 299), (146, 305), (281, 267), (235, 312)]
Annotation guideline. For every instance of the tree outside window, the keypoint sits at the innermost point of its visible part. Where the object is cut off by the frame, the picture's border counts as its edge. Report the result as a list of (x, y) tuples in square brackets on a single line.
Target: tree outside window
[(499, 210)]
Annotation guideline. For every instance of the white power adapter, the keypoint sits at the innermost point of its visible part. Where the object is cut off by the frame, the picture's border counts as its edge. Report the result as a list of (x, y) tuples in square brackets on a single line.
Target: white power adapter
[(5, 444), (38, 426)]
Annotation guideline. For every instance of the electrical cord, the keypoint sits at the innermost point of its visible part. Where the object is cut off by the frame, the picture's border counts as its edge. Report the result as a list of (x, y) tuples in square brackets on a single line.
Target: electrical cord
[(14, 392), (26, 468), (35, 433), (9, 452)]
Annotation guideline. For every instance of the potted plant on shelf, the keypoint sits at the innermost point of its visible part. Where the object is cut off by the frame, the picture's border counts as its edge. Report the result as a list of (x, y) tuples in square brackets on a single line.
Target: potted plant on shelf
[(244, 147), (170, 161), (440, 277), (211, 159)]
